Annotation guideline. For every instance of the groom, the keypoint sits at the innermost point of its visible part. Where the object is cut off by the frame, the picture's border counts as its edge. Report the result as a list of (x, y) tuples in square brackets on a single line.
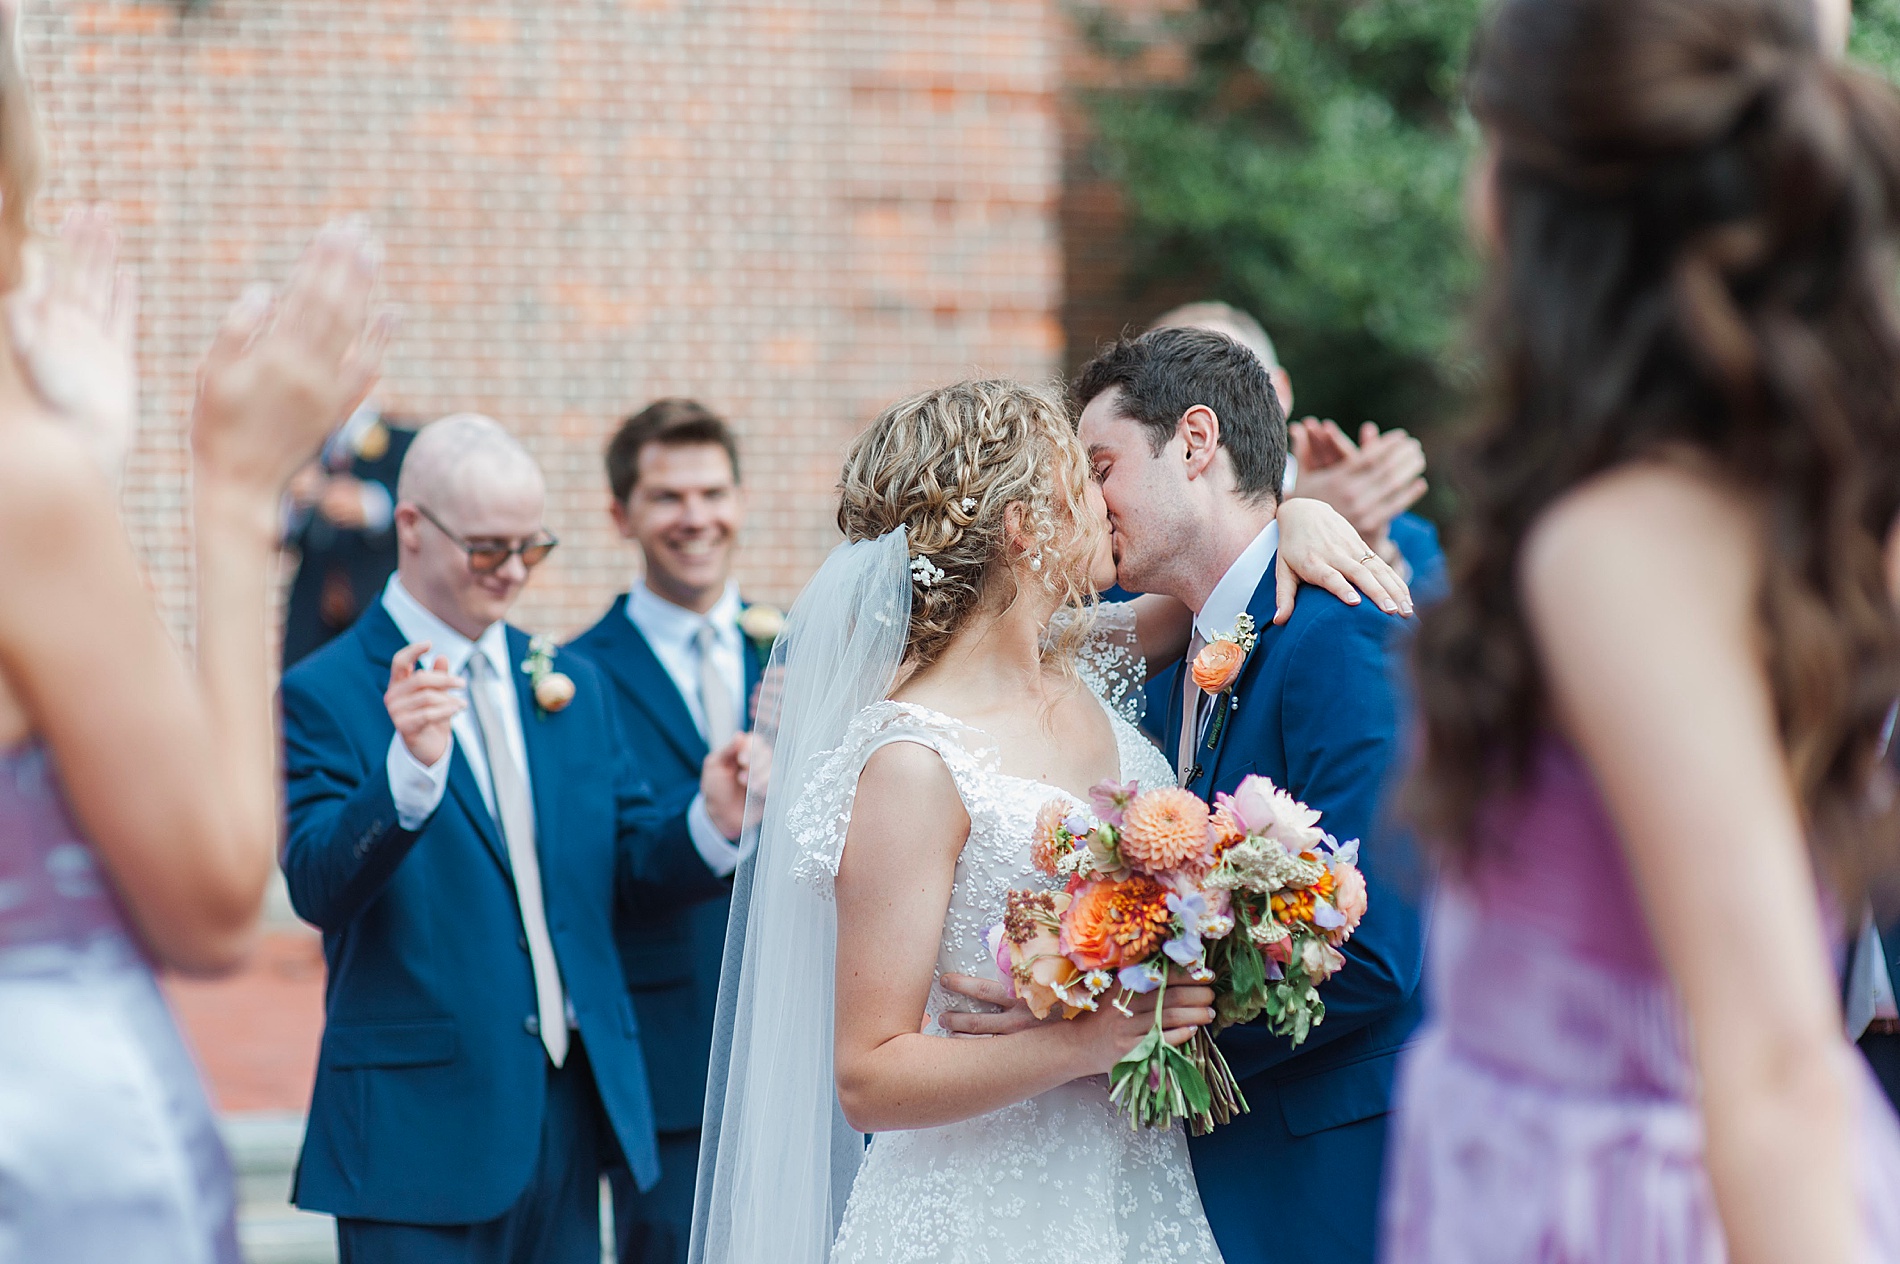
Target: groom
[(1186, 435)]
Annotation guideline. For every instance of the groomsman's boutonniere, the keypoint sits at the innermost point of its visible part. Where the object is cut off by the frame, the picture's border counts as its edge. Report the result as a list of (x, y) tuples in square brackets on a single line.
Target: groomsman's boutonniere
[(552, 690), (762, 625), (1217, 667)]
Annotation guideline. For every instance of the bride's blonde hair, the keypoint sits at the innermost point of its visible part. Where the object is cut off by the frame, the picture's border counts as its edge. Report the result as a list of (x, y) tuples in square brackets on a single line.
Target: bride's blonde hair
[(947, 464)]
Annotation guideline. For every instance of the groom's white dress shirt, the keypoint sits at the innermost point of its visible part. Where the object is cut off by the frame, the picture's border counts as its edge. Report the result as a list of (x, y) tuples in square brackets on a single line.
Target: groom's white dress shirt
[(417, 788), (673, 632), (1216, 617)]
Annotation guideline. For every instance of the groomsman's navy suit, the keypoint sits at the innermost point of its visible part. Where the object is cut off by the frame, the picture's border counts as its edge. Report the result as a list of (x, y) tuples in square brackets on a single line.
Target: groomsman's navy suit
[(670, 950), (1296, 1180), (432, 1084)]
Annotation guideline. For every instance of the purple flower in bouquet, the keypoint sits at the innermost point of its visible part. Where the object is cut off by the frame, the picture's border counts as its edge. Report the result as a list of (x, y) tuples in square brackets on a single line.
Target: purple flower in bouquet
[(1143, 978), (1185, 949)]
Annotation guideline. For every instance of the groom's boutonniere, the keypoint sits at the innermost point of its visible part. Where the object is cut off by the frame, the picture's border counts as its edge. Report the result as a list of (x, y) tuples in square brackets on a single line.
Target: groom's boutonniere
[(552, 690), (761, 625), (1217, 667)]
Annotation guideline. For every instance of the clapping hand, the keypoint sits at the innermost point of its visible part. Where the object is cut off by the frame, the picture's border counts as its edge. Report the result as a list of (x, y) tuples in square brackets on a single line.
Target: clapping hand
[(1370, 482), (283, 372), (423, 702), (723, 781), (73, 323)]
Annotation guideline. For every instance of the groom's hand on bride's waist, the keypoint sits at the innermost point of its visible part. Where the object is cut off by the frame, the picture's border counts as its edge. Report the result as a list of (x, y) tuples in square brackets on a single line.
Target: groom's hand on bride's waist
[(1188, 1005), (1013, 1014)]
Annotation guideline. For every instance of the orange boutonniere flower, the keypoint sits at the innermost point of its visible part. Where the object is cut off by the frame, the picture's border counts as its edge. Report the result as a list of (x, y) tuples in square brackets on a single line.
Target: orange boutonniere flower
[(1218, 665)]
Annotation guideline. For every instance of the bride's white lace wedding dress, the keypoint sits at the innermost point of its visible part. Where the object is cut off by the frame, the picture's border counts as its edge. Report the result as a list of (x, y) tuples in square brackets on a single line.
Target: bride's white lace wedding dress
[(1060, 1178)]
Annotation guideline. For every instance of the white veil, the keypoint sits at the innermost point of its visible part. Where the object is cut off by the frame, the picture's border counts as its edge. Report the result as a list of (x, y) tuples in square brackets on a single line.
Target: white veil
[(776, 1156)]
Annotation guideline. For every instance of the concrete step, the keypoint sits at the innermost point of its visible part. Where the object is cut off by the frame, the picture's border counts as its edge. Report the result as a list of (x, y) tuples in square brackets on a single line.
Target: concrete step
[(263, 1147)]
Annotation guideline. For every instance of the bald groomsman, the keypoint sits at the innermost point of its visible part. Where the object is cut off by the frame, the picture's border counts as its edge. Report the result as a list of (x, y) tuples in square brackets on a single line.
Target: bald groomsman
[(465, 818)]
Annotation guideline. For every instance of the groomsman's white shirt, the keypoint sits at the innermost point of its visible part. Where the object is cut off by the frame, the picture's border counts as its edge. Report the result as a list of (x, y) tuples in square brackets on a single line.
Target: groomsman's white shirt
[(673, 631), (417, 788)]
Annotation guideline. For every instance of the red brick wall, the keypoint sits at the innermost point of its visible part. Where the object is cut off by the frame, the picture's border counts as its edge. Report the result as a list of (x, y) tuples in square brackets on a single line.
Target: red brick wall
[(793, 210)]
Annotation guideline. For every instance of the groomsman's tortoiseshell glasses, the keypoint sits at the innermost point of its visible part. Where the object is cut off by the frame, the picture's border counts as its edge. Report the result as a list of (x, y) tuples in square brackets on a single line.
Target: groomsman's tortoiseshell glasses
[(485, 557)]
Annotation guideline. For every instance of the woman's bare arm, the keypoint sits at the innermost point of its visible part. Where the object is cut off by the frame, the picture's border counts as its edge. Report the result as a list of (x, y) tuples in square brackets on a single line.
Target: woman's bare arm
[(1642, 592), (908, 826), (174, 778)]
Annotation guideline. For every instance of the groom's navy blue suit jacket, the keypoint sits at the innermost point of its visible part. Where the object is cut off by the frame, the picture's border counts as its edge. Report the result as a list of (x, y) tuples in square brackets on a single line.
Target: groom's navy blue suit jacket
[(670, 949), (431, 1080), (1317, 711)]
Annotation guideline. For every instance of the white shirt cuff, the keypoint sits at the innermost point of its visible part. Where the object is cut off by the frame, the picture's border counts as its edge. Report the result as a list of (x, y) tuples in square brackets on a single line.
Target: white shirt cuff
[(415, 786), (720, 853)]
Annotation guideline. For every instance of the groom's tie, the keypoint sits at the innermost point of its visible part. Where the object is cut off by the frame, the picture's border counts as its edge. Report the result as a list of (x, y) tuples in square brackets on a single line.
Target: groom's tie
[(1190, 712), (514, 809)]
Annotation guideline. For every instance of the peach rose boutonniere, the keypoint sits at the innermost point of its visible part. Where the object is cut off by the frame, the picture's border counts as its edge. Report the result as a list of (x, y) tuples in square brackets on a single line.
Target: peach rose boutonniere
[(1218, 664), (552, 690)]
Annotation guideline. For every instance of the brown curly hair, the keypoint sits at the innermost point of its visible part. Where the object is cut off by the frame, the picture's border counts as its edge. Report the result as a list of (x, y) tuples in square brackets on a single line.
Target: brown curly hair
[(947, 464), (1697, 207)]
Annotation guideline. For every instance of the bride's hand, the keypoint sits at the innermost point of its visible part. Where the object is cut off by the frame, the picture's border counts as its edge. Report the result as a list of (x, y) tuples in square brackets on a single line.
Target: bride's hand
[(1106, 1036), (1319, 546)]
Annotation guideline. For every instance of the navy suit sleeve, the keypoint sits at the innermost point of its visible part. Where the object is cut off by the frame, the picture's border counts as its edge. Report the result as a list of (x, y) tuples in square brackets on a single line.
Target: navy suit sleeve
[(345, 840), (1340, 720), (656, 857), (1417, 541)]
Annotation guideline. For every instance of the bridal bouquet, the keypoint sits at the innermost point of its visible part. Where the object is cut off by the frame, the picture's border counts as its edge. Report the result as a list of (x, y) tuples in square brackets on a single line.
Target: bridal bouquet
[(1250, 896)]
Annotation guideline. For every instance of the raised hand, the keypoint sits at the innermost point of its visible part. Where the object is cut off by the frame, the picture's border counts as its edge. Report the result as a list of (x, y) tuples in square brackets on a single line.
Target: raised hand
[(73, 323), (282, 373), (423, 702), (1371, 482)]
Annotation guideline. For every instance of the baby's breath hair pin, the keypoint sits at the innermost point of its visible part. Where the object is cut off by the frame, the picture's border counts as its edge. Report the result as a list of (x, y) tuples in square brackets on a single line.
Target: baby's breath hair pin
[(967, 504), (924, 571)]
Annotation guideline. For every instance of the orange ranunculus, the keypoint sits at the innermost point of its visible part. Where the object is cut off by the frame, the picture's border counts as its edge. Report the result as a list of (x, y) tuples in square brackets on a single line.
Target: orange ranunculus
[(1113, 924), (1217, 664), (1165, 829)]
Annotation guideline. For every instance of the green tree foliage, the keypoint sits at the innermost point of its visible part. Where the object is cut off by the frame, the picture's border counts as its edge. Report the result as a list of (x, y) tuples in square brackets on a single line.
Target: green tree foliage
[(1308, 165)]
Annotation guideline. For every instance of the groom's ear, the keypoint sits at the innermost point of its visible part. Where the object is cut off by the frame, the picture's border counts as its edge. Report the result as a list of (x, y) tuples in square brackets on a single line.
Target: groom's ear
[(1199, 432)]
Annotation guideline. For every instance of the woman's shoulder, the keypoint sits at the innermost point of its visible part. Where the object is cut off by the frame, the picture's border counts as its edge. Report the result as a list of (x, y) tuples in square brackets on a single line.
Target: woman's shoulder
[(1652, 506), (1645, 545)]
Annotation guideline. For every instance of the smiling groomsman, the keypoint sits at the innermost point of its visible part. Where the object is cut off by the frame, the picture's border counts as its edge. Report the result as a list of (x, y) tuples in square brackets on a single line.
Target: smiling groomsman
[(684, 656)]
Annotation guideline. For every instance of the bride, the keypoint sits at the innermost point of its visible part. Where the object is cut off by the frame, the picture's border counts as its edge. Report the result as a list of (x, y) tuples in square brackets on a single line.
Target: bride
[(944, 676)]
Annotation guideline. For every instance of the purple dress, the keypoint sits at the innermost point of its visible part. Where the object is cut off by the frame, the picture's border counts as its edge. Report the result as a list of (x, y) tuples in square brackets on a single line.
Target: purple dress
[(1548, 1112), (108, 1150)]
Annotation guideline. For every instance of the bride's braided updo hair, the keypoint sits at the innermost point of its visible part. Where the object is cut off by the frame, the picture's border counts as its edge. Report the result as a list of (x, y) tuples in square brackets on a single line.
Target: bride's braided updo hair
[(947, 464)]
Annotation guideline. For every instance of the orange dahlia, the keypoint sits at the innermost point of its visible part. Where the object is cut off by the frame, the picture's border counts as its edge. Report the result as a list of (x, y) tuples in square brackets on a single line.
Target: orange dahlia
[(1165, 829), (1114, 924)]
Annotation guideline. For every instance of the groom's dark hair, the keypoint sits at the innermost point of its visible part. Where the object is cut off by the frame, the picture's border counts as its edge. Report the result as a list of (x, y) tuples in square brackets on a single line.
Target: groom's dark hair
[(1165, 372)]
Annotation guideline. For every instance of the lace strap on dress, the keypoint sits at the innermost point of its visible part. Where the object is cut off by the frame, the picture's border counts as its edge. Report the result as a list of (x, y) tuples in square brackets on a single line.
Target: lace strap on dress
[(1110, 661), (820, 818)]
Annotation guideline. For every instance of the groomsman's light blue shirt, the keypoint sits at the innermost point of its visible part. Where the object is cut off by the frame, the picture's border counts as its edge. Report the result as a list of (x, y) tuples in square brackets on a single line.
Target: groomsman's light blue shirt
[(671, 632)]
